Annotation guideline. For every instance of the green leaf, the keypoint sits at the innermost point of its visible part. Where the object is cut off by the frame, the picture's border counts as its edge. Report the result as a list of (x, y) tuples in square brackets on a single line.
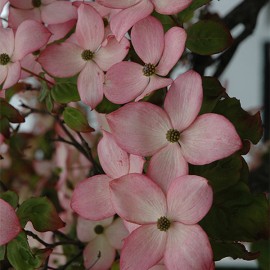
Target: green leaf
[(2, 252), (10, 197), (237, 215), (188, 13), (49, 102), (221, 174), (234, 250), (4, 127), (212, 93), (208, 37), (20, 255), (76, 120), (263, 247), (41, 212), (9, 112), (65, 92), (116, 266), (249, 127), (106, 106)]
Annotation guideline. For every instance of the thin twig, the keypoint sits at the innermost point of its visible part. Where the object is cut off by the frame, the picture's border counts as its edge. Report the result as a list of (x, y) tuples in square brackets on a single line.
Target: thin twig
[(36, 75)]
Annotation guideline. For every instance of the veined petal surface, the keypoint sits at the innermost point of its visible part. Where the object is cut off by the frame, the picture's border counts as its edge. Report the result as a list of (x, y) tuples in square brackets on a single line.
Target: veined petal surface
[(189, 199), (140, 128), (131, 198), (184, 99), (187, 247), (143, 248), (147, 36), (91, 198), (210, 137)]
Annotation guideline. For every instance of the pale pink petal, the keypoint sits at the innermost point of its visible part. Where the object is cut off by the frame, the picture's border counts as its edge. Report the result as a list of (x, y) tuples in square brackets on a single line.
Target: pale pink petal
[(124, 82), (9, 223), (86, 228), (16, 16), (112, 53), (46, 2), (62, 60), (175, 39), (91, 198), (3, 73), (187, 247), (189, 199), (30, 36), (136, 164), (26, 4), (184, 99), (131, 226), (131, 198), (155, 83), (13, 74), (143, 248), (166, 165), (2, 4), (99, 246), (7, 41), (147, 36), (158, 267), (60, 30), (118, 3), (173, 7), (29, 62), (90, 28), (58, 12), (116, 233), (125, 19), (140, 128), (209, 138), (90, 84), (114, 160)]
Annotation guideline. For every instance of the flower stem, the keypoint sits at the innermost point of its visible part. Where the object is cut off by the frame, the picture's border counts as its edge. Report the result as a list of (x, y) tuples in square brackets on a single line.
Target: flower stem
[(36, 75)]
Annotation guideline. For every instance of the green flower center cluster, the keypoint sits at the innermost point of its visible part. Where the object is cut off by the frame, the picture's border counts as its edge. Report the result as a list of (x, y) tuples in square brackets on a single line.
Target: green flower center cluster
[(99, 229), (173, 135), (163, 224), (4, 59), (87, 55), (36, 3), (149, 70)]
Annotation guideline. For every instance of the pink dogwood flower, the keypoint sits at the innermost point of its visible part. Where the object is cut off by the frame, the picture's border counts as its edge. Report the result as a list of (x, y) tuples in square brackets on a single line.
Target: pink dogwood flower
[(128, 80), (47, 11), (29, 37), (91, 198), (104, 237), (87, 56), (169, 228), (135, 10), (9, 223), (175, 135)]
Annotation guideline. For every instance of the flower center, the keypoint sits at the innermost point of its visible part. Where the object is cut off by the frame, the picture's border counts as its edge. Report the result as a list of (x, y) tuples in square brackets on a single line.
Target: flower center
[(163, 224), (149, 70), (36, 3), (87, 55), (173, 135), (4, 59), (99, 229)]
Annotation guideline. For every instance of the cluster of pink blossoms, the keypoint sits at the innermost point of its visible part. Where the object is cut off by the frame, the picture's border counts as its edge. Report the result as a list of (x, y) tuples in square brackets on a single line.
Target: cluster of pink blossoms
[(158, 207)]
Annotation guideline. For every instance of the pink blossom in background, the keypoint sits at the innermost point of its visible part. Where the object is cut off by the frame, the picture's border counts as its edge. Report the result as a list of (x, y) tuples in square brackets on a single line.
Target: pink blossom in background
[(135, 10), (169, 228), (104, 237), (87, 56), (126, 81), (175, 135), (91, 198), (9, 223), (29, 37), (46, 11)]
